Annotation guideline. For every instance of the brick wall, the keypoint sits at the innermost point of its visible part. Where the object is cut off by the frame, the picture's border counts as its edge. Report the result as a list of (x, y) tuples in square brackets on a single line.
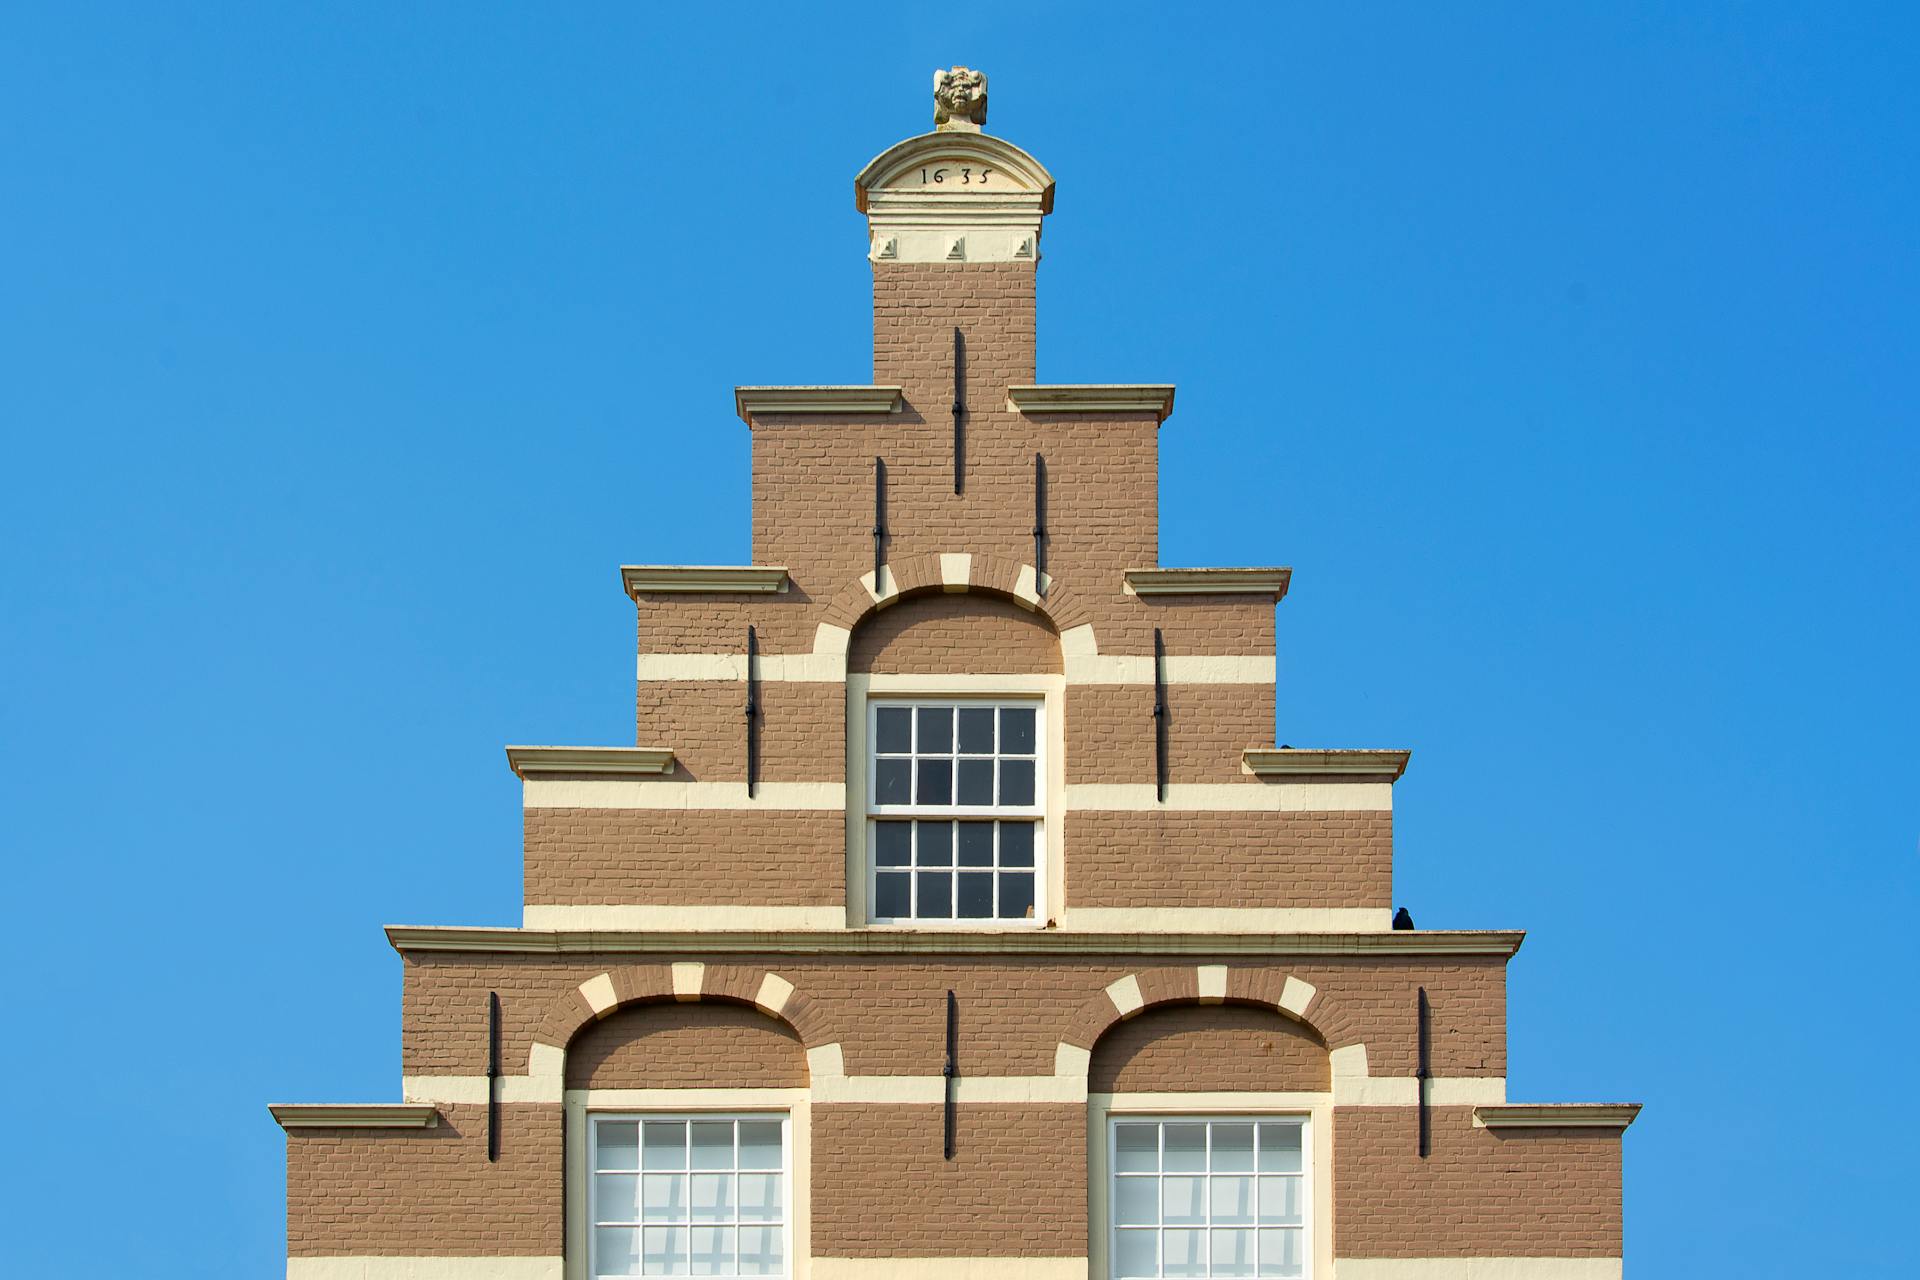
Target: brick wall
[(673, 1045), (1212, 1048)]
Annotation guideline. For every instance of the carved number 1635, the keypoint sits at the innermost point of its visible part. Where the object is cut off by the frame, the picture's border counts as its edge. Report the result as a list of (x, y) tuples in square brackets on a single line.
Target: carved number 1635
[(940, 175)]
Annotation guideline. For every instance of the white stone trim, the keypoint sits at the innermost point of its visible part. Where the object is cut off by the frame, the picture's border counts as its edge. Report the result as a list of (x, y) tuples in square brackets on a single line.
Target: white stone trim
[(597, 991), (353, 1115), (1072, 1060), (1079, 642), (356, 1267), (831, 639), (773, 994), (692, 1099), (1479, 1268), (880, 584), (695, 919), (1253, 1102), (547, 1064), (1179, 668), (748, 401), (826, 1062), (828, 668), (1294, 762), (1235, 797), (1207, 582), (931, 1090), (1497, 1113), (448, 1091), (624, 794), (619, 762), (956, 571), (731, 668), (1146, 397), (689, 976), (1029, 584), (703, 579), (1212, 979), (1125, 994), (1296, 994), (949, 1269), (1226, 920), (1404, 1091), (956, 684)]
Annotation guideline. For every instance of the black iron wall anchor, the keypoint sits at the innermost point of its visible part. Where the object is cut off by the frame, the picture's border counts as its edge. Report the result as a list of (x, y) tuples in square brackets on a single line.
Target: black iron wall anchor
[(1039, 525), (959, 409), (950, 1070), (493, 1077), (1422, 1072), (1159, 717), (879, 519), (753, 712)]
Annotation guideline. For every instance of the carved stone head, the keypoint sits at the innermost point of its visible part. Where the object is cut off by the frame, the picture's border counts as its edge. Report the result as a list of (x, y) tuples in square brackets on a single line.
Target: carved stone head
[(959, 100)]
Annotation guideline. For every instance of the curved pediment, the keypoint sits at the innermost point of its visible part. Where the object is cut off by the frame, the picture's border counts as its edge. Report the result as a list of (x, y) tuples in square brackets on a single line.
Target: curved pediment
[(946, 165)]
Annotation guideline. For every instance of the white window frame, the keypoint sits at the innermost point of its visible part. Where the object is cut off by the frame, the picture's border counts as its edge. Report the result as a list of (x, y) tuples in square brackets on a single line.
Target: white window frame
[(596, 1118), (1036, 813), (1307, 1176)]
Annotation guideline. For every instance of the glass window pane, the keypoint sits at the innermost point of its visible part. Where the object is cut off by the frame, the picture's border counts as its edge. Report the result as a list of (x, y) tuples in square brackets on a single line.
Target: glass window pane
[(1136, 1201), (1016, 731), (762, 1251), (616, 1251), (936, 895), (713, 1251), (713, 1144), (1016, 782), (713, 1197), (976, 731), (1280, 1148), (1133, 1254), (666, 1144), (1136, 1148), (616, 1197), (976, 895), (976, 782), (934, 782), (893, 730), (1280, 1201), (1185, 1252), (663, 1251), (1186, 1147), (760, 1197), (1016, 844), (1232, 1148), (891, 779), (892, 843), (664, 1197), (936, 844), (1232, 1253), (891, 895), (1281, 1252), (1183, 1200), (1016, 895), (936, 731), (619, 1144), (976, 844), (760, 1144), (1232, 1199)]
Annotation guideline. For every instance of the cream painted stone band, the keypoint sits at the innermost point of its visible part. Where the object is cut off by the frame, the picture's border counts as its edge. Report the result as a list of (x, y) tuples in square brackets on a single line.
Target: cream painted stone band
[(1236, 797), (949, 1269), (611, 793), (1478, 1268), (377, 1268), (830, 668), (617, 918)]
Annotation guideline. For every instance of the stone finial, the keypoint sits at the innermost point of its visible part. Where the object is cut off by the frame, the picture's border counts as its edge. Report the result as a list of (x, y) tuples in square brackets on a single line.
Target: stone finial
[(959, 100)]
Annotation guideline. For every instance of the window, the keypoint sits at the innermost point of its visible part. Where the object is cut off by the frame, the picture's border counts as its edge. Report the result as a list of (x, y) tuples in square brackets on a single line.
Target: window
[(1209, 1197), (955, 799), (695, 1195)]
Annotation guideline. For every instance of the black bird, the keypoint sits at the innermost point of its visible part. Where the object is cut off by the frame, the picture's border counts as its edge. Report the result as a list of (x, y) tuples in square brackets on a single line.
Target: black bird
[(1401, 920)]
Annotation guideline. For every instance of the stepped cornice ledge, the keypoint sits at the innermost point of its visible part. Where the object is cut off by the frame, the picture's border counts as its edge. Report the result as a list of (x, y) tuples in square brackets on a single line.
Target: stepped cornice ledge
[(1155, 398), (708, 579), (624, 762), (1556, 1115), (1209, 582), (1297, 762), (748, 401), (355, 1115), (1501, 943)]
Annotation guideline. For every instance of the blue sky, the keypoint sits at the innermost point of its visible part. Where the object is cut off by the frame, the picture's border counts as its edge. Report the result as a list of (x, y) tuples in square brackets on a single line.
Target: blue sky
[(1567, 353)]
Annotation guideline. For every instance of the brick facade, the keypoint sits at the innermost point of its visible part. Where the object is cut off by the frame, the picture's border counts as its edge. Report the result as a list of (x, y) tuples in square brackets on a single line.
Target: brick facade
[(1213, 939)]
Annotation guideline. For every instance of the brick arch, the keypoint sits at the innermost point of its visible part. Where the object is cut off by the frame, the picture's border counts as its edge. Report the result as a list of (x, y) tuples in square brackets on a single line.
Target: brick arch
[(1136, 993), (921, 574), (627, 985)]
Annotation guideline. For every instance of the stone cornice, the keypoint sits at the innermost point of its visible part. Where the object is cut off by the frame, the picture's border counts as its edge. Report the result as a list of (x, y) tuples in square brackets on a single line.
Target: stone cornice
[(1557, 1115), (748, 401), (1295, 762), (1154, 398), (706, 579), (354, 1115), (621, 762), (1209, 582), (1049, 942)]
